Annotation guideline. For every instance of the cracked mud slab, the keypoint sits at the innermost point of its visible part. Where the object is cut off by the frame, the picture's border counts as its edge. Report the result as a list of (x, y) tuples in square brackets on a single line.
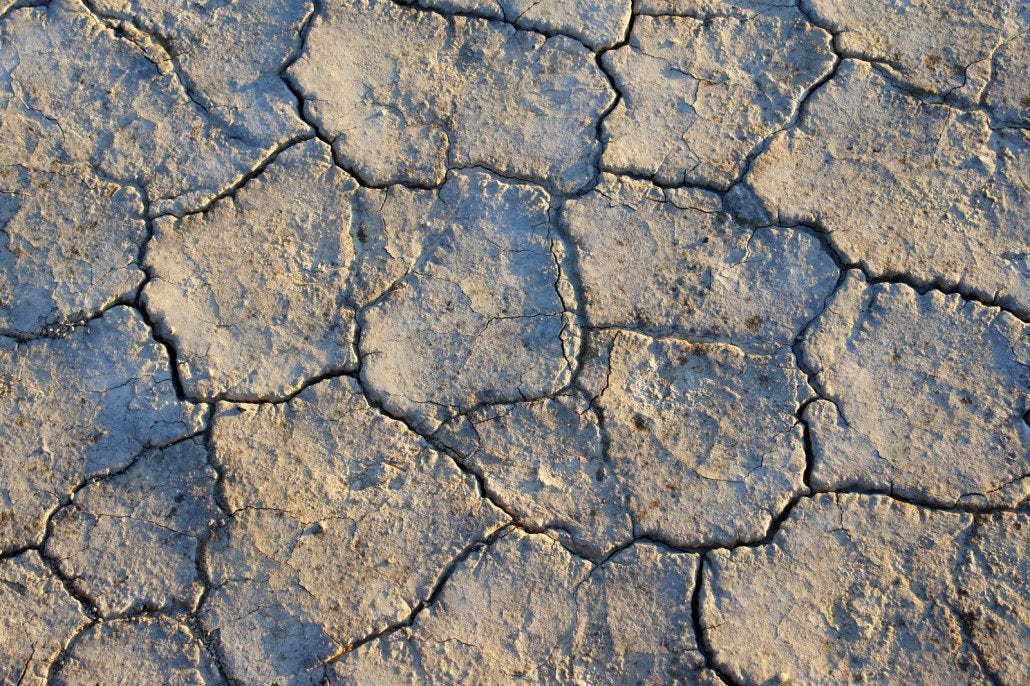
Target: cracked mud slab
[(939, 48), (482, 316), (941, 199), (703, 437), (662, 260), (596, 23), (343, 520), (99, 99), (525, 610), (148, 650), (699, 94), (937, 363), (80, 407), (383, 342), (444, 92), (546, 460), (865, 589), (227, 55), (160, 508), (39, 618), (251, 292)]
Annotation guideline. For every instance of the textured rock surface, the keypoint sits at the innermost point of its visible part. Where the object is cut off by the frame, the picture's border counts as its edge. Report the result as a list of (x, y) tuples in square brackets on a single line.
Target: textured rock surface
[(703, 437), (160, 509), (403, 94), (514, 342), (149, 650), (926, 396), (671, 260), (79, 407), (251, 293), (852, 589), (905, 187), (482, 315), (699, 96), (38, 617), (344, 523)]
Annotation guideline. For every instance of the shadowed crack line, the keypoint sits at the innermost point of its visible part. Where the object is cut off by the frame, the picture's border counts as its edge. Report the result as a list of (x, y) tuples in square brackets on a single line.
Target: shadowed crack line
[(437, 588), (571, 257), (450, 14), (704, 644)]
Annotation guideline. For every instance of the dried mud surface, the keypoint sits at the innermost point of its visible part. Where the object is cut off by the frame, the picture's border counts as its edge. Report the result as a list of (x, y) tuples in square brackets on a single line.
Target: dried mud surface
[(514, 342)]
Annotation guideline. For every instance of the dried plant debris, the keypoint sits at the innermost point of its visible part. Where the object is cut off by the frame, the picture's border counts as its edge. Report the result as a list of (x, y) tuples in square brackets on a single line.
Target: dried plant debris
[(378, 342)]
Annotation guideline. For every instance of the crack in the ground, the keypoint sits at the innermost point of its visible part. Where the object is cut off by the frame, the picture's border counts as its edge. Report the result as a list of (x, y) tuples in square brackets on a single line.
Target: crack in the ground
[(567, 267), (419, 6), (437, 587)]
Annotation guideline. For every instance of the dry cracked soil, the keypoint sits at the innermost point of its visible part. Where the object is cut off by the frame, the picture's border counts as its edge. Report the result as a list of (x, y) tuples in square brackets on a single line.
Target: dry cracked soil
[(514, 342)]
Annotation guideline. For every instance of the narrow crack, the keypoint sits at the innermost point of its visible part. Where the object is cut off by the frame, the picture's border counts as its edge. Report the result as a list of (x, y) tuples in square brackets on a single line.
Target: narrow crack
[(704, 644), (300, 99), (437, 589), (920, 286), (568, 272), (449, 14), (964, 622)]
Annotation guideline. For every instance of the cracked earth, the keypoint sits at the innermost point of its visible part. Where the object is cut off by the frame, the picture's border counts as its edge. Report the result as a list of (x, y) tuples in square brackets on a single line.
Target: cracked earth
[(514, 341)]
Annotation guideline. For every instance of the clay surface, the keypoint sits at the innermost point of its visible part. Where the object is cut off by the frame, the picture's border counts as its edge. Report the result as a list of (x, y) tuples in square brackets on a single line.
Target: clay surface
[(836, 595), (944, 202), (482, 316), (598, 342), (699, 94), (343, 523), (251, 291), (80, 407), (971, 366), (405, 94)]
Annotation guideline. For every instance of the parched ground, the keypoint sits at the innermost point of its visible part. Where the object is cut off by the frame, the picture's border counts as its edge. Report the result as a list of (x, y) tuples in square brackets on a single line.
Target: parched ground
[(514, 342)]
